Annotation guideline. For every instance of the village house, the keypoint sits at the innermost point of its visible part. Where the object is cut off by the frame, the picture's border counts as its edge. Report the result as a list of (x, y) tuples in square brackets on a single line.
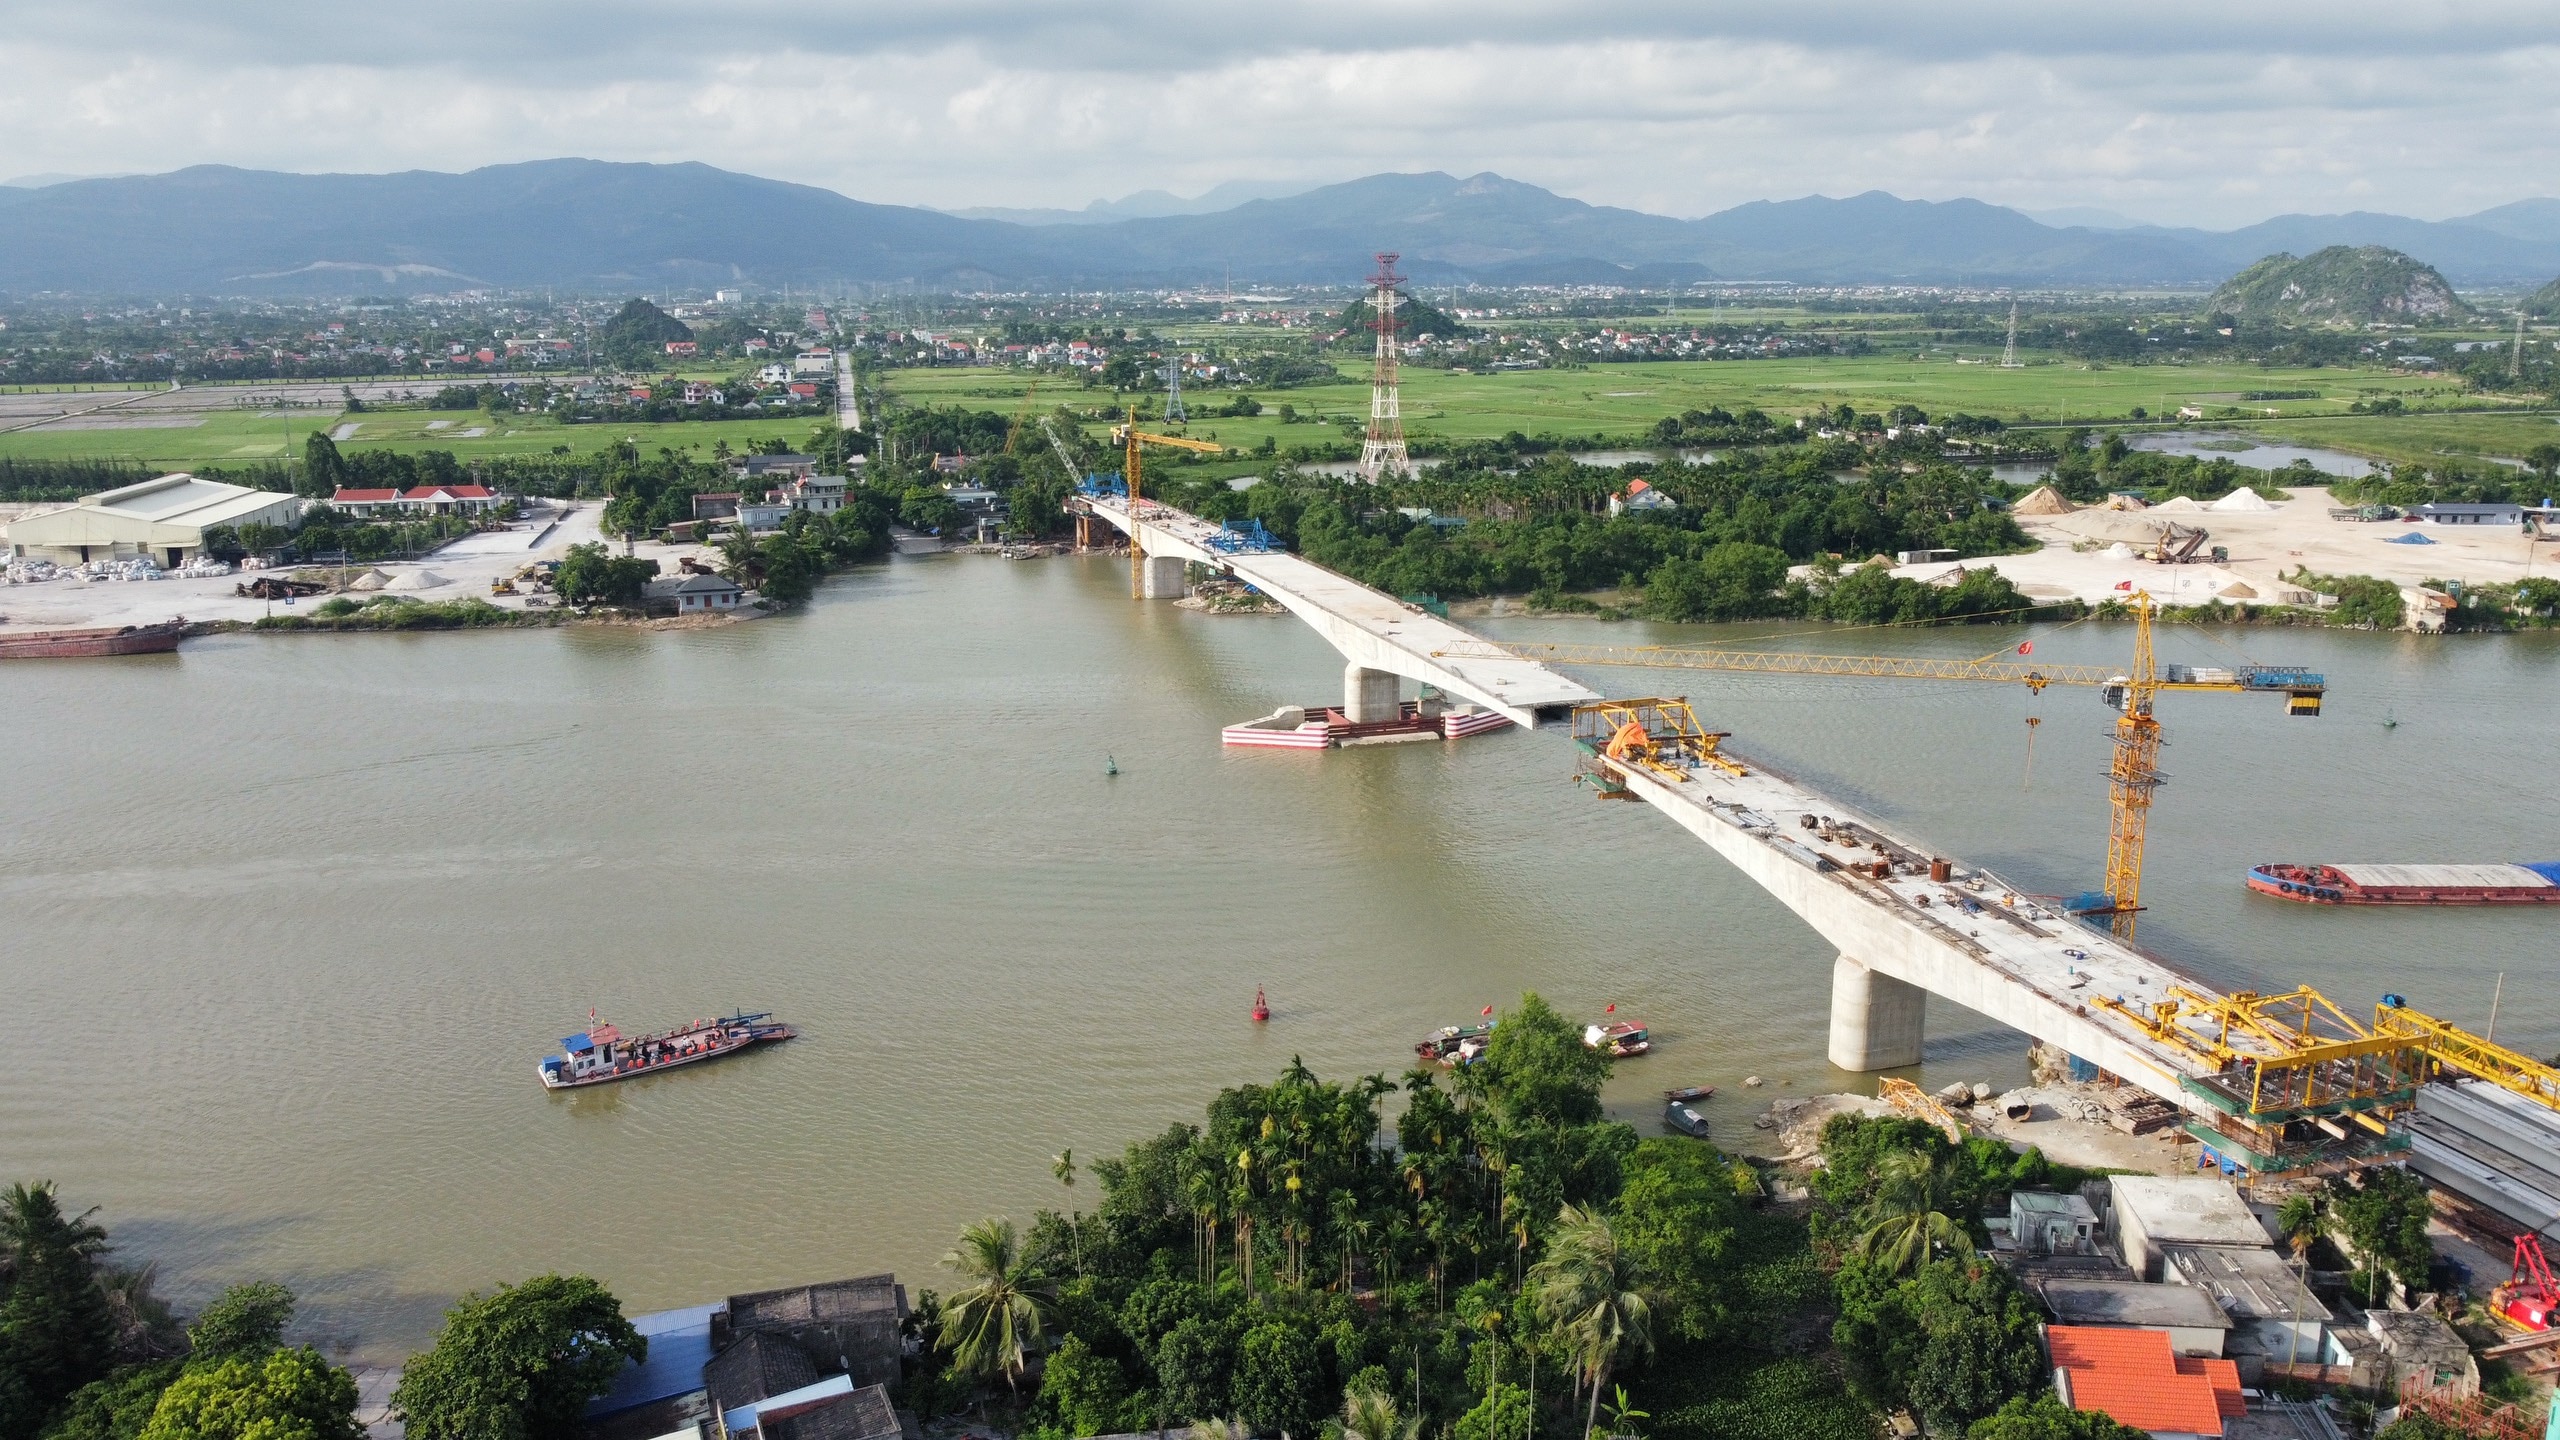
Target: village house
[(692, 594), (1640, 496), (817, 494), (683, 348), (363, 502), (716, 505)]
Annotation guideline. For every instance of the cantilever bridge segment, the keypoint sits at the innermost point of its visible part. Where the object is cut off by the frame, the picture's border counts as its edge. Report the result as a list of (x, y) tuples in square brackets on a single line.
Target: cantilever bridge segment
[(1906, 923)]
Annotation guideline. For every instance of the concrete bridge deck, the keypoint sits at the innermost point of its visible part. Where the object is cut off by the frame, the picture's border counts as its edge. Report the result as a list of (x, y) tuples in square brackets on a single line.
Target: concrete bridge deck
[(1375, 632), (1973, 939)]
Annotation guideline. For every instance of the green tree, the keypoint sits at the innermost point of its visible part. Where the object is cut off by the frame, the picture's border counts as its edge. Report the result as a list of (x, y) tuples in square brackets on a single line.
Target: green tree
[(1501, 1415), (1732, 581), (2045, 1417), (117, 1407), (244, 1322), (1279, 1380), (1907, 1221), (992, 1327), (2384, 1213), (518, 1363), (592, 575), (1590, 1290), (324, 470), (1195, 1363), (1082, 1392), (1538, 1070), (57, 1331), (1369, 1413), (288, 1395), (1676, 1221)]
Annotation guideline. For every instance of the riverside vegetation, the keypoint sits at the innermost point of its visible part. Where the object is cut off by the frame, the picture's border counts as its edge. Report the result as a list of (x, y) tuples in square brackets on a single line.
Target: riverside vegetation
[(1497, 1262)]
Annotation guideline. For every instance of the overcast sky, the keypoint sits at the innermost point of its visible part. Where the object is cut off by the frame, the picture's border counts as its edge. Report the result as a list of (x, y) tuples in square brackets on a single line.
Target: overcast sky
[(2171, 111)]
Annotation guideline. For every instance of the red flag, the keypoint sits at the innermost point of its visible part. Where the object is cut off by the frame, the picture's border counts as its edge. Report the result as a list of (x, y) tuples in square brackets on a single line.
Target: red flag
[(2124, 584), (1488, 1010), (2026, 647), (1613, 1008)]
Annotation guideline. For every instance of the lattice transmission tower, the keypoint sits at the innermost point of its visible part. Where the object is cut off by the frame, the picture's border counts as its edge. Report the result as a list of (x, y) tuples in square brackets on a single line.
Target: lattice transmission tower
[(2009, 354), (1173, 411), (1383, 451)]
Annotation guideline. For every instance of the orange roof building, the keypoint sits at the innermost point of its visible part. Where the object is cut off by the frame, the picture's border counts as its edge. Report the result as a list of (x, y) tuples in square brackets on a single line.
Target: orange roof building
[(2133, 1377)]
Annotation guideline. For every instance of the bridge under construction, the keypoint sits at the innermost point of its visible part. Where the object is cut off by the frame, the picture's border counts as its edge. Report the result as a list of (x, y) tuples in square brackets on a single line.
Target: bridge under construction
[(2269, 1084)]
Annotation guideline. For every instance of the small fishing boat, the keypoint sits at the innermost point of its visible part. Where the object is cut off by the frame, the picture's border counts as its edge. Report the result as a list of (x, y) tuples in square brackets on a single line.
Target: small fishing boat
[(1684, 1119), (1454, 1044), (602, 1054), (1687, 1093), (1621, 1038)]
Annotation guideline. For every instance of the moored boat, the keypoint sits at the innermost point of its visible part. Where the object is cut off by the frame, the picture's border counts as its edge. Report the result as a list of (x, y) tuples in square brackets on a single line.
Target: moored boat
[(1620, 1038), (103, 640), (1690, 1092), (2410, 884), (602, 1054), (1454, 1044), (1685, 1119)]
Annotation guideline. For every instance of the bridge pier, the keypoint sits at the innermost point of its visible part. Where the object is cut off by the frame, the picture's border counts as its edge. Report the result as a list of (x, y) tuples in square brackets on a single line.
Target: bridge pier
[(1875, 1019), (1165, 577), (1369, 696)]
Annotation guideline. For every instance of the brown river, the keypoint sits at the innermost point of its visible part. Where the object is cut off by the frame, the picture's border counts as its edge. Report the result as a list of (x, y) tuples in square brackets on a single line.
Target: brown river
[(286, 922)]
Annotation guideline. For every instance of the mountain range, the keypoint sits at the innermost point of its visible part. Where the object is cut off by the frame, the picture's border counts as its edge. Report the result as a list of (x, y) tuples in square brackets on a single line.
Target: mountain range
[(587, 225)]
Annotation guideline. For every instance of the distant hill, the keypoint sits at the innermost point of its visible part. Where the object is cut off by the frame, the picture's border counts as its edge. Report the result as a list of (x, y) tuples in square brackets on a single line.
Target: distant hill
[(1144, 205), (2341, 284), (2545, 302), (590, 226)]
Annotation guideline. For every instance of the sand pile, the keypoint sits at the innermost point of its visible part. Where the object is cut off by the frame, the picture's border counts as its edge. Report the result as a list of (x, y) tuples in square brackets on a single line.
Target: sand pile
[(2043, 500), (370, 580), (2243, 499), (417, 580), (2179, 505)]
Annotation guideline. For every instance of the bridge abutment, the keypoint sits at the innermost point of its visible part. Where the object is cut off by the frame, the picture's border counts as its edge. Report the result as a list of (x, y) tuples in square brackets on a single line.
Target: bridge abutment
[(1166, 577), (1369, 696), (1876, 1020)]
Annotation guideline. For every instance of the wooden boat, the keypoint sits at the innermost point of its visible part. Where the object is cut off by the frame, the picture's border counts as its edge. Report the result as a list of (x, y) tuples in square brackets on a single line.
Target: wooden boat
[(1689, 1092), (105, 640), (2410, 884), (1454, 1044), (1621, 1038), (602, 1054), (1685, 1119)]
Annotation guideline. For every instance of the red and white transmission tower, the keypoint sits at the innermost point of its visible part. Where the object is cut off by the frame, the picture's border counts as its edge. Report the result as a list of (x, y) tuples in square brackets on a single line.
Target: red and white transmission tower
[(1383, 451)]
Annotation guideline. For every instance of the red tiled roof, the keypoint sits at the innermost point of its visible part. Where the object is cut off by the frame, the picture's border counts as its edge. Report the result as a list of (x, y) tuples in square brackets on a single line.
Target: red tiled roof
[(2131, 1376), (363, 497), (2224, 1375), (456, 492)]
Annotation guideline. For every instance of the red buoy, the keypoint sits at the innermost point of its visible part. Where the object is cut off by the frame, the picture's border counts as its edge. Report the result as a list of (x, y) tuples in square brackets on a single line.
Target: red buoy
[(1261, 1007)]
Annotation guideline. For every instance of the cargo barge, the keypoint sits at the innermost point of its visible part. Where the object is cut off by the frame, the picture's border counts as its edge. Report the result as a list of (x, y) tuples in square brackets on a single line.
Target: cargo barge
[(2410, 884), (105, 640), (603, 1054)]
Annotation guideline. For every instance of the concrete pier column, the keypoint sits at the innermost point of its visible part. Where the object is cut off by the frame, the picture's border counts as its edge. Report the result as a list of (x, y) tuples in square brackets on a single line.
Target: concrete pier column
[(1165, 579), (1875, 1019), (1369, 696)]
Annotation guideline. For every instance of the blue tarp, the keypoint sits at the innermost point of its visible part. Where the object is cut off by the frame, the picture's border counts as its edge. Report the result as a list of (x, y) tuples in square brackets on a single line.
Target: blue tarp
[(575, 1043), (2410, 537), (2548, 870)]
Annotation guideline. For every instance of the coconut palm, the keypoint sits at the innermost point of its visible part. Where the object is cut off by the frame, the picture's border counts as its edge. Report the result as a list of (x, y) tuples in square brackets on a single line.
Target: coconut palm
[(1064, 1168), (1371, 1415), (1592, 1292), (1907, 1222), (993, 1326)]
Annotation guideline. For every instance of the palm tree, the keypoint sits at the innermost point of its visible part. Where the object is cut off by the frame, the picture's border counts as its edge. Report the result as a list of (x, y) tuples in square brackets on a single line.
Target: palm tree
[(1064, 1168), (1592, 1292), (1371, 1415), (1907, 1222), (991, 1327)]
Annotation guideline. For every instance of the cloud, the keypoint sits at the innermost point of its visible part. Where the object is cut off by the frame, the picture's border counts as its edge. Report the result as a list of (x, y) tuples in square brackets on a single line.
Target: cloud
[(2171, 111)]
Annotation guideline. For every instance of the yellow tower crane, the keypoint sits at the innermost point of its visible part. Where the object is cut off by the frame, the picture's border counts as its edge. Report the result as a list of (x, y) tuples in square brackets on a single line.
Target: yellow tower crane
[(1136, 440), (2132, 778)]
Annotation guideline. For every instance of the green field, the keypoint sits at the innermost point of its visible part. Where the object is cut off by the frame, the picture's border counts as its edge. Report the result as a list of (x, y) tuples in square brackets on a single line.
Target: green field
[(2420, 439), (1621, 399), (1606, 400), (246, 437)]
